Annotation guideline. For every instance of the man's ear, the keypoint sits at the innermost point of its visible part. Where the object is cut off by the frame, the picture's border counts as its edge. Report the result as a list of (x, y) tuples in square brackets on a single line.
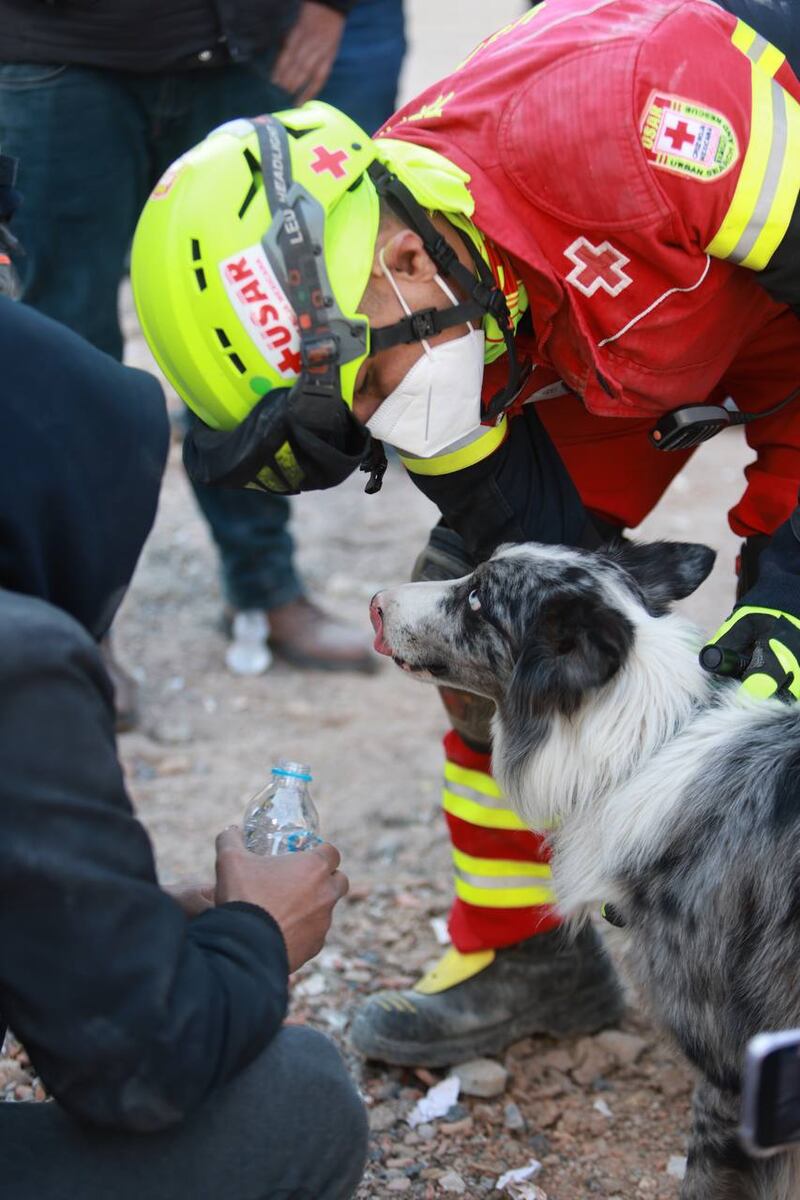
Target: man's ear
[(664, 571), (405, 256), (576, 644)]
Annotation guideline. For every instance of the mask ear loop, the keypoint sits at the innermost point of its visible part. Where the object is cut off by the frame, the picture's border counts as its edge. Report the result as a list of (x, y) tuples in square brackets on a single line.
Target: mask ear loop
[(425, 345), (401, 298), (403, 304), (453, 297)]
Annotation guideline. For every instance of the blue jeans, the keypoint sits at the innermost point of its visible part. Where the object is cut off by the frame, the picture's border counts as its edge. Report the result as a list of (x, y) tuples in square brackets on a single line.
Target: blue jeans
[(92, 143)]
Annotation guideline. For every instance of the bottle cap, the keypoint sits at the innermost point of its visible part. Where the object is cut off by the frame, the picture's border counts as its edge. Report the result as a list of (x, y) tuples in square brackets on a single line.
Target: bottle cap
[(293, 770)]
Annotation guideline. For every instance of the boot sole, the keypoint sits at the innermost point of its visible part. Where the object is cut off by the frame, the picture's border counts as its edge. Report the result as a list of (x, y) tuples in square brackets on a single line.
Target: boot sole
[(487, 1041)]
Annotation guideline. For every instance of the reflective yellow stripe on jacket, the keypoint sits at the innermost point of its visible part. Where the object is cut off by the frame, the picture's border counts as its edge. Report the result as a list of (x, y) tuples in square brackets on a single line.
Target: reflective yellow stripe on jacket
[(501, 883), (766, 193), (470, 450)]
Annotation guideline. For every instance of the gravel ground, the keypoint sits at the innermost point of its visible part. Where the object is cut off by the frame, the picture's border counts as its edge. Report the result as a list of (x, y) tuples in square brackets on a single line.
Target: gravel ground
[(604, 1116)]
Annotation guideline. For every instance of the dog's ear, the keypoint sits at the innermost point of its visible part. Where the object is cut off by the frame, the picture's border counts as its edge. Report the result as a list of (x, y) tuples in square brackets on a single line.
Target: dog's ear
[(664, 571), (575, 644)]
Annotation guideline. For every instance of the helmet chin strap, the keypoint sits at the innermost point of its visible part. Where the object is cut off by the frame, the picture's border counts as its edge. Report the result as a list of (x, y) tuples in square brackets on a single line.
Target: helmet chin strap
[(484, 294)]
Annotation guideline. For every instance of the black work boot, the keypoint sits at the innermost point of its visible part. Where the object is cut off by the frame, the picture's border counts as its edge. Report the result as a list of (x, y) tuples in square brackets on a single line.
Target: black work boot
[(474, 1004)]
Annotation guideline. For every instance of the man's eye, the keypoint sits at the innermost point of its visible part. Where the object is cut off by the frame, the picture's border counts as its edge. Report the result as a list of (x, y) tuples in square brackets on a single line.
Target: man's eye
[(474, 601)]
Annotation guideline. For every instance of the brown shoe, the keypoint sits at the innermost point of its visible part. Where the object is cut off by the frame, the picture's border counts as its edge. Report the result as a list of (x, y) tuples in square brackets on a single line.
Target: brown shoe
[(125, 688), (305, 635)]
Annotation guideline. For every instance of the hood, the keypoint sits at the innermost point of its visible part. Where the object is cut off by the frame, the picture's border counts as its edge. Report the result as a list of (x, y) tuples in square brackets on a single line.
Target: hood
[(82, 452)]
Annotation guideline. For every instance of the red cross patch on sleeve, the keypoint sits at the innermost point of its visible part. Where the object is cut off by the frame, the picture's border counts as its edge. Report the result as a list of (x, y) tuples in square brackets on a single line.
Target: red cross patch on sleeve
[(686, 138), (597, 267)]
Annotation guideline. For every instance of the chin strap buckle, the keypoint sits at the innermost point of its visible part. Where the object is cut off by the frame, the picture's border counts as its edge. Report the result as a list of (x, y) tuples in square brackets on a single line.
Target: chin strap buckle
[(423, 324)]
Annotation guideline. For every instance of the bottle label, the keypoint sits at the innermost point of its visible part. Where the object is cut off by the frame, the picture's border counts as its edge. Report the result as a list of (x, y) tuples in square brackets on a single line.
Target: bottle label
[(299, 839)]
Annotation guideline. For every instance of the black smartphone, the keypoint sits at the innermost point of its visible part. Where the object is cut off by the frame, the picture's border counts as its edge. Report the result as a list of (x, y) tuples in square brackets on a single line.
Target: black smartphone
[(771, 1093)]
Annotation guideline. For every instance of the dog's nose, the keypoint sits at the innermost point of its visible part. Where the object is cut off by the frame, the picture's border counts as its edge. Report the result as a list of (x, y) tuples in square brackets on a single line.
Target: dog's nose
[(376, 612), (376, 606)]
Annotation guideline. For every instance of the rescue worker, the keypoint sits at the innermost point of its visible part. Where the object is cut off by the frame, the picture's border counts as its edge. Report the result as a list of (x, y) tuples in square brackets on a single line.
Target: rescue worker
[(527, 283)]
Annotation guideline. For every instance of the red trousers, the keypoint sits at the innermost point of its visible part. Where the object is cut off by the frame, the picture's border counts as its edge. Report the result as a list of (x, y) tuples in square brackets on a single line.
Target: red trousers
[(502, 877)]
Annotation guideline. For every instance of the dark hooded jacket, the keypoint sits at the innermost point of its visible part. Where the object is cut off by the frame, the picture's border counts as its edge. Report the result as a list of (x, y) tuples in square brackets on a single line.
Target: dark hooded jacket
[(131, 1012), (145, 35)]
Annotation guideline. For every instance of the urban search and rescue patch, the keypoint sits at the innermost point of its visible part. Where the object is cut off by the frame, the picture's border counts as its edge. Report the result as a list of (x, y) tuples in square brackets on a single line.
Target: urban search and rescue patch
[(263, 308), (684, 137)]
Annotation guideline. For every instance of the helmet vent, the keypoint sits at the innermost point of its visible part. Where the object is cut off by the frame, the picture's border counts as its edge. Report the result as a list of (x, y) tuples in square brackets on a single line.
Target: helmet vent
[(231, 355), (254, 167), (199, 273)]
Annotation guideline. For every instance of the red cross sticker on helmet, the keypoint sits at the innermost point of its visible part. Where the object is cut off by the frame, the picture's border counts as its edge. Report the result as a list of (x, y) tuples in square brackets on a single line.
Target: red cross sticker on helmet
[(597, 267), (328, 160)]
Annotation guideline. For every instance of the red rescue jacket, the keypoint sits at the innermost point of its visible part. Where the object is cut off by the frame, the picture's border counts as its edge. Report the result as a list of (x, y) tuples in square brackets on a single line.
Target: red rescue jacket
[(639, 161)]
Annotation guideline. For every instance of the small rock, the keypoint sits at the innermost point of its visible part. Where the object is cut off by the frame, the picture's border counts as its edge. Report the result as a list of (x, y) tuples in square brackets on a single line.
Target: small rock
[(539, 1144), (426, 1132), (487, 1113), (12, 1073), (424, 1075), (559, 1059), (174, 732), (512, 1117), (672, 1082), (624, 1048), (593, 1060), (312, 985), (403, 1184), (548, 1113), (457, 1128), (452, 1182), (174, 764), (676, 1167), (382, 1118), (482, 1077), (456, 1112)]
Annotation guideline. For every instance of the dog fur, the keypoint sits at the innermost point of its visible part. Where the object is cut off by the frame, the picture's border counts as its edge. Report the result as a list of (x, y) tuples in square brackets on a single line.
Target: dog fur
[(673, 796)]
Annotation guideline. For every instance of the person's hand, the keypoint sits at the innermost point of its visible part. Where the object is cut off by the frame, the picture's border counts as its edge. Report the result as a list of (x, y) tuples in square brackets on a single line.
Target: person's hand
[(300, 891), (305, 61), (193, 896), (760, 646)]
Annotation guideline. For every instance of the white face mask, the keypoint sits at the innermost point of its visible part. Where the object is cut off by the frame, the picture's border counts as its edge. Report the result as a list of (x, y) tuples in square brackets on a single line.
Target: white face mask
[(438, 401)]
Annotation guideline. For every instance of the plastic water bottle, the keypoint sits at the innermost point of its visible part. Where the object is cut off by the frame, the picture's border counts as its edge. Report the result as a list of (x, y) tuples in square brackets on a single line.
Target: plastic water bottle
[(281, 818), (248, 653)]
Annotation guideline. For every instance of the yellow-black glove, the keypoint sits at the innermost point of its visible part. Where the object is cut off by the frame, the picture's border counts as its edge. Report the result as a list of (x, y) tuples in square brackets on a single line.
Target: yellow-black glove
[(760, 646)]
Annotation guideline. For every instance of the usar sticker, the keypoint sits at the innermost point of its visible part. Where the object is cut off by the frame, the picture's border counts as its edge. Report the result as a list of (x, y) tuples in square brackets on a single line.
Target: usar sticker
[(263, 308)]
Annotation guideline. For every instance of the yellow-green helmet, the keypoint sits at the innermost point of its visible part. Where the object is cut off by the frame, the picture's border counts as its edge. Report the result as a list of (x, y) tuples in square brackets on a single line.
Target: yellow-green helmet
[(214, 284)]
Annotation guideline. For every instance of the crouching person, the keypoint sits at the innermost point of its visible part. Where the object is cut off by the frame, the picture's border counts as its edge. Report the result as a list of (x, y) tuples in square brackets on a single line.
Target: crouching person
[(155, 1020)]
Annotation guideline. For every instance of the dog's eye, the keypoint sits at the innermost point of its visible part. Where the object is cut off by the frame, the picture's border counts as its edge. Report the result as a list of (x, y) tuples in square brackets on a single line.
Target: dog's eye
[(474, 601)]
